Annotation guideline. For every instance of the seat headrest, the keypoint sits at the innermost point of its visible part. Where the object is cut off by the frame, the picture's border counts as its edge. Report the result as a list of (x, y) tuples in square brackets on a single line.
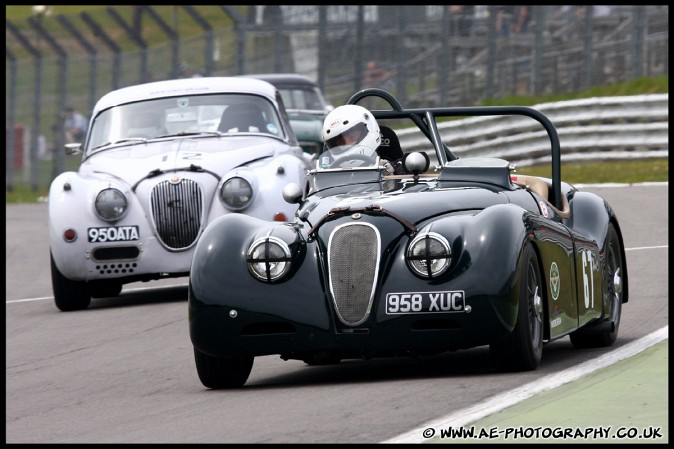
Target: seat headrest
[(242, 117), (389, 148)]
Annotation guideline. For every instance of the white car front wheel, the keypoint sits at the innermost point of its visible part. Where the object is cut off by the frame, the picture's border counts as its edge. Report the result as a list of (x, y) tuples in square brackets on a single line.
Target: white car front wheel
[(68, 295)]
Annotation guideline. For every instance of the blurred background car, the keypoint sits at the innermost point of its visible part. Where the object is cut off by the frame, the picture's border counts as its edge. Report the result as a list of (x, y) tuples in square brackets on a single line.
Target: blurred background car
[(306, 106)]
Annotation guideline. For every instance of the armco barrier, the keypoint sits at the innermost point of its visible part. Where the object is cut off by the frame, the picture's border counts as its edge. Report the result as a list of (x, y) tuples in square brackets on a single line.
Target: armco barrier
[(592, 128)]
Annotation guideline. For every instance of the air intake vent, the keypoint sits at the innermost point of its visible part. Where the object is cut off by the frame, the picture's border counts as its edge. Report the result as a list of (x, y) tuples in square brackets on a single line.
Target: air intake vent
[(353, 258), (177, 210)]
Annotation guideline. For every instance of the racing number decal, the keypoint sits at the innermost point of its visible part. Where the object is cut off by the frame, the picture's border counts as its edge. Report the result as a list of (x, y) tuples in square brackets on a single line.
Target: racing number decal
[(554, 281), (588, 280)]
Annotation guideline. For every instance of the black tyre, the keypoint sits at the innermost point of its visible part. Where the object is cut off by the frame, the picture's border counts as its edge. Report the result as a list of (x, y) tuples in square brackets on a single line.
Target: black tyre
[(104, 289), (222, 372), (598, 335), (68, 295), (523, 348)]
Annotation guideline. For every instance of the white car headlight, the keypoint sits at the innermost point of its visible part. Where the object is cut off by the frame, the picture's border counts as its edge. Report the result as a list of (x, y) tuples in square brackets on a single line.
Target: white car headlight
[(110, 204), (429, 255), (268, 259), (236, 193)]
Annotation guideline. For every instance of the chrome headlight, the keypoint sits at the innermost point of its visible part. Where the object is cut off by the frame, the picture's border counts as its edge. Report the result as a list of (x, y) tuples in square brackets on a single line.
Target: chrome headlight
[(268, 259), (110, 204), (236, 193), (429, 255)]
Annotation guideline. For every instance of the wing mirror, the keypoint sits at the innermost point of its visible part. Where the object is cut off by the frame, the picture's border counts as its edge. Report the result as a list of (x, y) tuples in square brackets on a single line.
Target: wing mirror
[(417, 162), (73, 148)]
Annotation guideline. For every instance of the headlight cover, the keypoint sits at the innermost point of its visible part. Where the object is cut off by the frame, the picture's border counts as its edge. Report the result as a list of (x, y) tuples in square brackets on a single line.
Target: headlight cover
[(110, 204), (268, 259), (429, 255), (236, 193)]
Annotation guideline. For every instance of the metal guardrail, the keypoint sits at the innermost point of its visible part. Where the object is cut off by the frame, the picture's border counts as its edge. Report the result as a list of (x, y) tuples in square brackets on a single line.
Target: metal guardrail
[(629, 127)]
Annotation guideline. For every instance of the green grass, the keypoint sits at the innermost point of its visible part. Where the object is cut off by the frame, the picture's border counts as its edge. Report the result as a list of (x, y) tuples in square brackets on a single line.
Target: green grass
[(632, 171), (637, 86), (174, 16), (24, 194)]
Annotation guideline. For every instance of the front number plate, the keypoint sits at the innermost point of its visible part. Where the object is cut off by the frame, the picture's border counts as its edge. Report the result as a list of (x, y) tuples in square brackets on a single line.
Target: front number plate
[(425, 302), (113, 234)]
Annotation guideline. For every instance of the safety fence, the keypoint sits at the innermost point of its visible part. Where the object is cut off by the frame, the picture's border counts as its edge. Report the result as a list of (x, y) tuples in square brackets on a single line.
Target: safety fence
[(627, 127), (426, 55)]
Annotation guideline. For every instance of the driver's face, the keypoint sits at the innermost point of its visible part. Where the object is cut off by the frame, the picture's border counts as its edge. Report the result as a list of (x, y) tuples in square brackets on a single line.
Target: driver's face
[(348, 137), (352, 136)]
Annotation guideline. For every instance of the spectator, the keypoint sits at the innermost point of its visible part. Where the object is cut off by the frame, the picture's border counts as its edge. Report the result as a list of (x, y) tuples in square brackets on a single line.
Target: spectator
[(565, 13), (504, 17), (462, 19), (374, 75), (521, 19), (75, 126), (187, 71), (512, 19), (42, 151)]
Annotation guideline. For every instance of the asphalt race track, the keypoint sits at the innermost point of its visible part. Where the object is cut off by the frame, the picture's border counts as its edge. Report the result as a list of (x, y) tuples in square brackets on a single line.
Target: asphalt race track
[(122, 371)]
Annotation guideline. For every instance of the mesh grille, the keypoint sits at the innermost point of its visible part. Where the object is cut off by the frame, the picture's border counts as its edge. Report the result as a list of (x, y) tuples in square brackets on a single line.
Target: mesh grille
[(176, 209), (353, 257)]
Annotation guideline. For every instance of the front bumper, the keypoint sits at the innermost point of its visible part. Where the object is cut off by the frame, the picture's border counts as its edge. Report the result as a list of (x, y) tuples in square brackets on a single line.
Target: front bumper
[(230, 332)]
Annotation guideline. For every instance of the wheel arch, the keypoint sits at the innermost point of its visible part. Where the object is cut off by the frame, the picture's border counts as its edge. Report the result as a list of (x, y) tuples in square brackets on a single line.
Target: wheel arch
[(541, 273), (625, 277)]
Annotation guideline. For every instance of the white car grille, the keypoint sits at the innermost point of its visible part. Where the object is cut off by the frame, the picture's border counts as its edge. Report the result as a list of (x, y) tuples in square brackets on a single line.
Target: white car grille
[(177, 211)]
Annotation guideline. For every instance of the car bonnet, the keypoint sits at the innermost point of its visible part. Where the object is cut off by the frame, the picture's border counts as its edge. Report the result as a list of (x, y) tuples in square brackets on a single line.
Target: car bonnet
[(415, 203), (219, 155)]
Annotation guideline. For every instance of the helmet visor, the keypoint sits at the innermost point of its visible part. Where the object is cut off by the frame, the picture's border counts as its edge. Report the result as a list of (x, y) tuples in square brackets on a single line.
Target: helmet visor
[(348, 138)]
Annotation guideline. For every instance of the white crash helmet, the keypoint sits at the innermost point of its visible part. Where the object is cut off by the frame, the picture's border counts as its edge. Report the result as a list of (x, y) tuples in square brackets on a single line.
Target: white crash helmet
[(351, 126)]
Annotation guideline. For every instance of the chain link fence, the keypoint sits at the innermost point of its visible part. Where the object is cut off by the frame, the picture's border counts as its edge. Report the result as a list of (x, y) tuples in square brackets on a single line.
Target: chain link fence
[(430, 55)]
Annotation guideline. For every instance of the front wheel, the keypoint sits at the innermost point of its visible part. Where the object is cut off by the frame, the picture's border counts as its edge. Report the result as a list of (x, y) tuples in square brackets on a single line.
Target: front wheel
[(604, 333), (523, 348), (222, 372), (68, 295), (104, 289)]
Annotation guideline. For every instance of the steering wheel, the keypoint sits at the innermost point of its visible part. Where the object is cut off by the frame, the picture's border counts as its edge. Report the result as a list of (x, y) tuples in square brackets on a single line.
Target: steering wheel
[(337, 163)]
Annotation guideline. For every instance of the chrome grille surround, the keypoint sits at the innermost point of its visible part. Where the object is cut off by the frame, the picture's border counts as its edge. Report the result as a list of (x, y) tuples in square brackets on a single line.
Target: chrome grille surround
[(177, 208), (353, 265)]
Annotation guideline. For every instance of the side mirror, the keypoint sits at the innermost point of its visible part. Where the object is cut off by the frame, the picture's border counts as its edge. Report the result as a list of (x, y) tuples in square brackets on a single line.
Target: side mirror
[(417, 162), (292, 193), (73, 148)]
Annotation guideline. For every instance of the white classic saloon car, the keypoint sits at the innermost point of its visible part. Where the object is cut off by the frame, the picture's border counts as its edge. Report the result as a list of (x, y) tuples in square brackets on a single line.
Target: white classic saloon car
[(160, 162)]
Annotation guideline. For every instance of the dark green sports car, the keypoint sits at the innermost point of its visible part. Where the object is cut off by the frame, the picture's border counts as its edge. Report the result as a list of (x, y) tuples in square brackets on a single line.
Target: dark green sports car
[(452, 254)]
